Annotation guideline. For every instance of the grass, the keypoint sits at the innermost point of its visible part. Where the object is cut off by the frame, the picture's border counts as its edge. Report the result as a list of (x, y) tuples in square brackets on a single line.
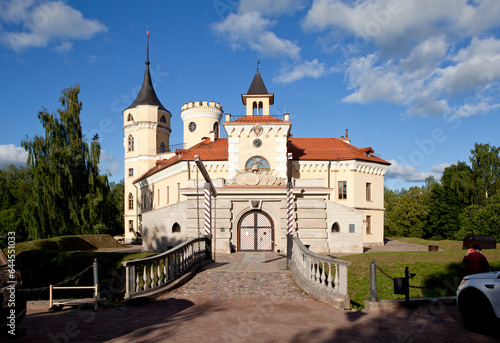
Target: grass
[(49, 261), (438, 272), (54, 266), (72, 243), (444, 244)]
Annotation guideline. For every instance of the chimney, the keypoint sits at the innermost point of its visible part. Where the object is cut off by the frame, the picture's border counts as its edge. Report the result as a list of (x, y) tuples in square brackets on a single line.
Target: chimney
[(346, 133)]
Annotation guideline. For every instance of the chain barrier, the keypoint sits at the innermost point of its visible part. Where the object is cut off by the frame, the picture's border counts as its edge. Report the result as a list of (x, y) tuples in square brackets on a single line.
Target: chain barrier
[(57, 284), (392, 278)]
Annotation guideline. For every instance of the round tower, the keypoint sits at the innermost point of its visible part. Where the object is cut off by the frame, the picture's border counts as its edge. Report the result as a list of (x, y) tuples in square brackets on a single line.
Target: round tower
[(201, 119)]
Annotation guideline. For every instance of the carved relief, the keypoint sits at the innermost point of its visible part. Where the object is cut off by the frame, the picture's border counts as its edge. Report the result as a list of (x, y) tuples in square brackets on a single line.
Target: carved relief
[(265, 178)]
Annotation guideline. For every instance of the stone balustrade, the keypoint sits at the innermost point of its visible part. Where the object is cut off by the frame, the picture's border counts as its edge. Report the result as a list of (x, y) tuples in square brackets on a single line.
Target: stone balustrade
[(323, 278), (150, 275)]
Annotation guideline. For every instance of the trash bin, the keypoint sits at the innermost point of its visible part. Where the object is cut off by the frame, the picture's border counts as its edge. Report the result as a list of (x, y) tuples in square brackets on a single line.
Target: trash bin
[(401, 285), (433, 248)]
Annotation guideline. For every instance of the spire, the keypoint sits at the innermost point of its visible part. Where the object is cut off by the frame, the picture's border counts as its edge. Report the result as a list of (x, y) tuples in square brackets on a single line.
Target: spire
[(147, 94), (257, 86)]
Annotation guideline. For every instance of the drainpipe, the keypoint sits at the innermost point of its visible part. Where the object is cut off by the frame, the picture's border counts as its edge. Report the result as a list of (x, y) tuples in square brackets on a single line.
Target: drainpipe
[(329, 168)]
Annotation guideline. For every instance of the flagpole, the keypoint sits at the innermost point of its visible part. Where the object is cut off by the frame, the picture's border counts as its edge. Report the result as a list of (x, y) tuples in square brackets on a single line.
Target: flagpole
[(147, 48)]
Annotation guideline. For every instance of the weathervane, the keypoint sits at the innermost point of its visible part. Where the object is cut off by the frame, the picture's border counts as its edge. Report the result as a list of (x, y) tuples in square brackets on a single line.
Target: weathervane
[(258, 62)]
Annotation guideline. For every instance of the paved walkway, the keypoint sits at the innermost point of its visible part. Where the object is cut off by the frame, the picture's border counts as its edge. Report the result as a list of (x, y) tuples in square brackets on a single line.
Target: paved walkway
[(220, 305), (225, 280)]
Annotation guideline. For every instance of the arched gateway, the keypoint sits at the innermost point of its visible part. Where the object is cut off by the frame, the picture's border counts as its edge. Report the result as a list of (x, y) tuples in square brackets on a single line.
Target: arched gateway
[(255, 232)]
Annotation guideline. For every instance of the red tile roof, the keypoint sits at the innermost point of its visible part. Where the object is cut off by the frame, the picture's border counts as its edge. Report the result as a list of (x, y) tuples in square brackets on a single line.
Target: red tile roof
[(302, 149), (329, 149)]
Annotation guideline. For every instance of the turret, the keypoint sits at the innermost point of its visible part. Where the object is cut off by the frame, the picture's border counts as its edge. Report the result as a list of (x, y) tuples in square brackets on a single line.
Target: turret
[(201, 119)]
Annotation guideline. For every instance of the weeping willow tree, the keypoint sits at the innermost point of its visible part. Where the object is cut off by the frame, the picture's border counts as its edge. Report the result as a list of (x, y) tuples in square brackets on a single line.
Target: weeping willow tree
[(68, 194)]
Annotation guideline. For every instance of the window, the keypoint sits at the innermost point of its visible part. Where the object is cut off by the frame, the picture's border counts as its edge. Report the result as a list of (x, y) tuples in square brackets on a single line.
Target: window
[(162, 147), (158, 200), (335, 227), (176, 227), (368, 191), (216, 130), (257, 164), (130, 117), (151, 196), (168, 194), (130, 143), (192, 126), (130, 226), (352, 228), (178, 192), (130, 171), (162, 119), (368, 225), (342, 189), (130, 201)]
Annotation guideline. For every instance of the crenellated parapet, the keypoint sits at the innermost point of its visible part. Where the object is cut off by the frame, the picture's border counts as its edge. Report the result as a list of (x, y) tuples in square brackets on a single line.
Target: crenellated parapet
[(201, 108)]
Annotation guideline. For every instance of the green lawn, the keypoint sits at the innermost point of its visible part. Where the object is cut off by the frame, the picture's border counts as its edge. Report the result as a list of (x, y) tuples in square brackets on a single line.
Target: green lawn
[(438, 272)]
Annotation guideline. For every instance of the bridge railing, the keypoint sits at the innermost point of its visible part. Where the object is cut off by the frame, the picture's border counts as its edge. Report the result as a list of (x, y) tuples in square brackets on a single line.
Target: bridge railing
[(321, 277), (150, 275)]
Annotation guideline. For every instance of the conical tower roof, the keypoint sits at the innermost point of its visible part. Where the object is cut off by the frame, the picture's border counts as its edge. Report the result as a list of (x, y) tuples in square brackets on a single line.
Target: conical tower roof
[(147, 94), (257, 86)]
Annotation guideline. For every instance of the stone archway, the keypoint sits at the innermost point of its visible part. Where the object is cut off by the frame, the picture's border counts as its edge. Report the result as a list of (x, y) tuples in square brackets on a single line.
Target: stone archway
[(255, 232)]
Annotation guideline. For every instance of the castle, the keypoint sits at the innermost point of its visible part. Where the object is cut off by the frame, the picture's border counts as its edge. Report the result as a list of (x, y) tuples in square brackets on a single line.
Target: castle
[(338, 189)]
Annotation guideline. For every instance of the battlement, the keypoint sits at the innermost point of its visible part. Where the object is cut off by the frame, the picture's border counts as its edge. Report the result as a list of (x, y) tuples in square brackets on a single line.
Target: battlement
[(202, 106)]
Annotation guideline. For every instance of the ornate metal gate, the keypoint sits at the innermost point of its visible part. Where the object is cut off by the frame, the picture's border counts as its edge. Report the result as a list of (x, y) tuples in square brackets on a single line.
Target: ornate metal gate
[(255, 232)]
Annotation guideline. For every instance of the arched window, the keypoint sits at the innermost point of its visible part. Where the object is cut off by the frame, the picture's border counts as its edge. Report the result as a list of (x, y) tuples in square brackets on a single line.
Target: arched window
[(336, 227), (162, 147), (176, 227), (130, 117), (162, 119), (257, 164), (216, 130), (130, 143), (130, 201)]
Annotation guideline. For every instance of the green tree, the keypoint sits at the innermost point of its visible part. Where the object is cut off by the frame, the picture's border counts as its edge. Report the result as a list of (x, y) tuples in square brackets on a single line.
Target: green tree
[(448, 198), (15, 186), (68, 194), (480, 220), (408, 214), (485, 166)]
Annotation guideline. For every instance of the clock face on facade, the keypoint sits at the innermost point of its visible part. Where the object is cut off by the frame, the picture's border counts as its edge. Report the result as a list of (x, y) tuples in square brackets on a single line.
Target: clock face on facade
[(257, 143), (192, 126)]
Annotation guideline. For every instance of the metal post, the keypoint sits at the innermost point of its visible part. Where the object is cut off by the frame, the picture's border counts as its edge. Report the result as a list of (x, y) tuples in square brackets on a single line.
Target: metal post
[(407, 286), (96, 277), (373, 281)]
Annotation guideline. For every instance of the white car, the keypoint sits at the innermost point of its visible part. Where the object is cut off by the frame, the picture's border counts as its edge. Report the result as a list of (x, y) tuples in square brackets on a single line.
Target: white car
[(478, 300)]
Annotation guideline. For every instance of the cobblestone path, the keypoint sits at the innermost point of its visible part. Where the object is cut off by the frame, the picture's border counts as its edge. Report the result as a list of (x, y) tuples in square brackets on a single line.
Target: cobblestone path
[(218, 283)]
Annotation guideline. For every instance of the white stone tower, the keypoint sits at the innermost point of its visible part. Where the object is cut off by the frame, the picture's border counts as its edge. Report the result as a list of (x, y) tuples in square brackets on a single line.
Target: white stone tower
[(201, 119), (146, 125)]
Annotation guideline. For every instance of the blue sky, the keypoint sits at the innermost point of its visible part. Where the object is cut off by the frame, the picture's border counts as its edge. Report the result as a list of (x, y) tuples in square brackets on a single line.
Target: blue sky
[(418, 81)]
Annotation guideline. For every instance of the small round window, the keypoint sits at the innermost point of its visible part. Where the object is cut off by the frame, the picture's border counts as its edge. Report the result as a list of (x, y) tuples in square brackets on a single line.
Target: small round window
[(192, 126)]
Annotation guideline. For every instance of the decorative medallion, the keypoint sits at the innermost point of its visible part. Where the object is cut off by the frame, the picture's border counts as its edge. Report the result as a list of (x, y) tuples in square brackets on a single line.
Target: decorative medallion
[(258, 130), (192, 126), (257, 143)]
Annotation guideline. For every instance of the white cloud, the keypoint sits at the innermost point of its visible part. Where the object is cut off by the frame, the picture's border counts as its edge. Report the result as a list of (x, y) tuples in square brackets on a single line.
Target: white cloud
[(109, 164), (410, 173), (397, 24), (271, 7), (11, 154), (251, 29), (313, 69), (44, 23), (64, 47), (432, 79)]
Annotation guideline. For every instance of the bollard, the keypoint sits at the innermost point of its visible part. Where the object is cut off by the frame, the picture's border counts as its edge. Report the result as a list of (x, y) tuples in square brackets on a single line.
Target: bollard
[(96, 277), (373, 281)]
